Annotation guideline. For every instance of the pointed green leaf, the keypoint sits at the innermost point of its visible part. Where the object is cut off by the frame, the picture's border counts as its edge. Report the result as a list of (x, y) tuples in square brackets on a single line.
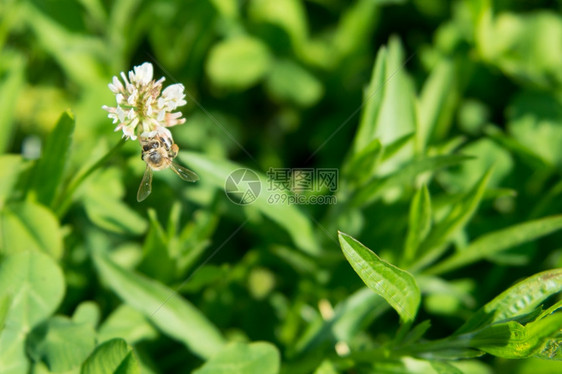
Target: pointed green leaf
[(419, 223), (112, 357), (372, 99), (61, 343), (50, 167), (519, 299), (396, 286), (173, 314), (501, 240), (253, 358)]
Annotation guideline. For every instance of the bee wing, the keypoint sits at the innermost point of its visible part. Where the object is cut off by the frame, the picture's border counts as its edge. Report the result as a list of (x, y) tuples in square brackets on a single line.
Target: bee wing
[(145, 187), (184, 173)]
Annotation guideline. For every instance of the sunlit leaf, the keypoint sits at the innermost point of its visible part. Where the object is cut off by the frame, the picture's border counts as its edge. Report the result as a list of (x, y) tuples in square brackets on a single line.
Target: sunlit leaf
[(517, 300), (512, 340), (396, 286), (372, 96), (35, 283), (434, 106), (29, 226), (113, 356)]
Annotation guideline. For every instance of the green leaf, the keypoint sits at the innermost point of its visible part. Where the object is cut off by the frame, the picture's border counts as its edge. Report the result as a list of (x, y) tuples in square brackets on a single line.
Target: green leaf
[(48, 171), (512, 340), (238, 63), (396, 286), (13, 359), (355, 28), (434, 107), (36, 285), (398, 106), (127, 323), (288, 15), (5, 303), (289, 217), (372, 100), (112, 357), (29, 226), (361, 165), (517, 300), (10, 88), (171, 313), (290, 82), (105, 208), (534, 122), (61, 343), (501, 240), (436, 242), (242, 358), (87, 312), (419, 223), (9, 176)]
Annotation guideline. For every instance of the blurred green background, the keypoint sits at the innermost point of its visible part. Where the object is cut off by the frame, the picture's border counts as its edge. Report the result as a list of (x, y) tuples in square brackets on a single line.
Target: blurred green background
[(279, 84)]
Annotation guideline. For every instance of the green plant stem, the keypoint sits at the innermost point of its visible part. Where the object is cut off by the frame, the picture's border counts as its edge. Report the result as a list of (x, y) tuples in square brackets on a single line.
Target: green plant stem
[(66, 197)]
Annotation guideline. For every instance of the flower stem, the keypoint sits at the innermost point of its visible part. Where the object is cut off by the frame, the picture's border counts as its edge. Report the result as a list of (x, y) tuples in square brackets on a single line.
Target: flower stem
[(65, 198)]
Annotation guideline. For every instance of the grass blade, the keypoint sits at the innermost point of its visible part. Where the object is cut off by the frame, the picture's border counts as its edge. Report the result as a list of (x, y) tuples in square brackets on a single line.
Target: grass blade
[(498, 241), (173, 315)]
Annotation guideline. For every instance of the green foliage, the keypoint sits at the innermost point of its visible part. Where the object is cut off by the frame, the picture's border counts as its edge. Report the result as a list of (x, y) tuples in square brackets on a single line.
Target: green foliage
[(442, 120), (395, 285)]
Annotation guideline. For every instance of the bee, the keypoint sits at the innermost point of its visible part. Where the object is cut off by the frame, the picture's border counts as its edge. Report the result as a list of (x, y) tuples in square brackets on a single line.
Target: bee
[(158, 152)]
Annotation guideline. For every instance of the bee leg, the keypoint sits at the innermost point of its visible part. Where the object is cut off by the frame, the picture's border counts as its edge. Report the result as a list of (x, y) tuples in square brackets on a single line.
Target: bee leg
[(174, 150)]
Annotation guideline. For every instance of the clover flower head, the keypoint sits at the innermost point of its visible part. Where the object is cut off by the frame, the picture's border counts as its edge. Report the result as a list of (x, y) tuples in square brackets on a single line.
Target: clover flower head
[(142, 106)]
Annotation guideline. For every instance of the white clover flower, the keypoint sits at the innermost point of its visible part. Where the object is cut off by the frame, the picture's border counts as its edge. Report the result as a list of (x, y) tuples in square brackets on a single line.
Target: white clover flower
[(142, 106)]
